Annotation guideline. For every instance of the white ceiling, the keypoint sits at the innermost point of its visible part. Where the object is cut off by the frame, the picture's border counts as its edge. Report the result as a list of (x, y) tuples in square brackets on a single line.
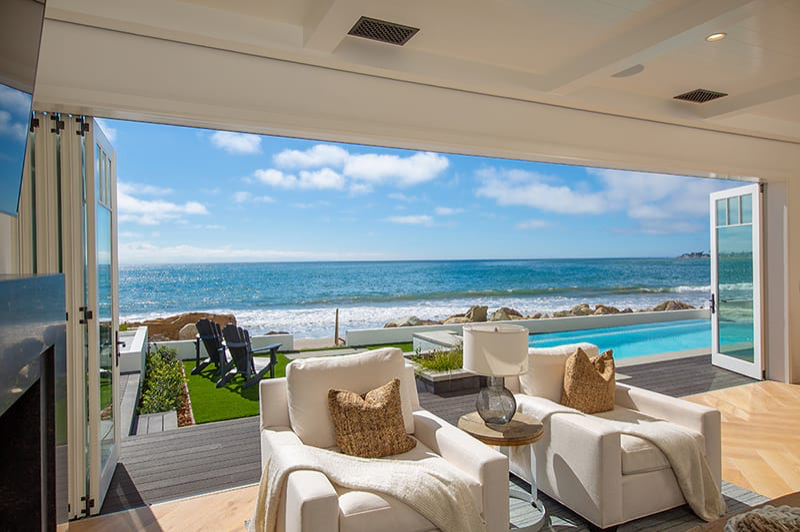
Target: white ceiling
[(557, 52)]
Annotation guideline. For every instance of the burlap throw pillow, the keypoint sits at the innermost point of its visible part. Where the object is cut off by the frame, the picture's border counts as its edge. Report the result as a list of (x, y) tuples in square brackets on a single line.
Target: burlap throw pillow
[(589, 384), (370, 425)]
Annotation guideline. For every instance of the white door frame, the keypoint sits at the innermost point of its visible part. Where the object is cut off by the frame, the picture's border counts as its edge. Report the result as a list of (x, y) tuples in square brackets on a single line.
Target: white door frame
[(756, 368), (99, 474)]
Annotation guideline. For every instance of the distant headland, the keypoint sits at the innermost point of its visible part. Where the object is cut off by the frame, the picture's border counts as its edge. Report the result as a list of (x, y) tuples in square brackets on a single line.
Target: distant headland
[(695, 255)]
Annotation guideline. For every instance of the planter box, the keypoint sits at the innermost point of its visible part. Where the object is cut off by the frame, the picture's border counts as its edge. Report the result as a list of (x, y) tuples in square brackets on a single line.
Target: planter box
[(440, 382)]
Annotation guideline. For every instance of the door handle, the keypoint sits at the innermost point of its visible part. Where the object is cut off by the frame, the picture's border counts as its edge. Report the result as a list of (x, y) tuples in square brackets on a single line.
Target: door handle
[(713, 304), (119, 343)]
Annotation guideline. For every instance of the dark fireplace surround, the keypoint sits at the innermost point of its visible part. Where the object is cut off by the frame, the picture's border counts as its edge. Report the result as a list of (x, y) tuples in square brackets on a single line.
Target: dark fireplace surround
[(33, 442)]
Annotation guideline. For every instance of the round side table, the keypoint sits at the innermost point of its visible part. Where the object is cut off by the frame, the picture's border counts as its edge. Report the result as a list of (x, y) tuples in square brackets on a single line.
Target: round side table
[(521, 430)]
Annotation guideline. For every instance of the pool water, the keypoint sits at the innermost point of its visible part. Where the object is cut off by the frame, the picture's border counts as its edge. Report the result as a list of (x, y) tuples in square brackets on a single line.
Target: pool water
[(636, 340)]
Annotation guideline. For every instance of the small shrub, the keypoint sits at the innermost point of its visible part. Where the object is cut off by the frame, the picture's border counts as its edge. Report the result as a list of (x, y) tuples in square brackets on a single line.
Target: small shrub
[(441, 360), (163, 382)]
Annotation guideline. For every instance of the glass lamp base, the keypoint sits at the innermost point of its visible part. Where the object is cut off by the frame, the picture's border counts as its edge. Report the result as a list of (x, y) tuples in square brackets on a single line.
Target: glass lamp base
[(495, 404)]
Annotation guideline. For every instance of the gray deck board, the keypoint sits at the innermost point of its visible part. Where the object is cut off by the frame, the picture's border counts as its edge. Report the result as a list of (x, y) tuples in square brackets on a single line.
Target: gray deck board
[(203, 458)]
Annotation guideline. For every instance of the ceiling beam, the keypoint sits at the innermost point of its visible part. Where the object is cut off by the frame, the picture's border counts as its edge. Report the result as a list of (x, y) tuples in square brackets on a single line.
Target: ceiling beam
[(328, 21), (647, 34), (740, 103)]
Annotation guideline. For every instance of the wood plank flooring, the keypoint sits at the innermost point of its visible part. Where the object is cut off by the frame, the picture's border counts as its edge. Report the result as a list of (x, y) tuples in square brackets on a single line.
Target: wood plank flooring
[(760, 435)]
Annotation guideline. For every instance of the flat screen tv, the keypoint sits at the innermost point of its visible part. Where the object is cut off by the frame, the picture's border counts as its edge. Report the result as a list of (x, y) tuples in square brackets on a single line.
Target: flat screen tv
[(20, 36)]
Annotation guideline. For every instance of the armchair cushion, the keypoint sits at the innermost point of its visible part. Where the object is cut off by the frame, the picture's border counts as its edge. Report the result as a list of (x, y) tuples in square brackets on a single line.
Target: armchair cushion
[(545, 375), (308, 381), (369, 425)]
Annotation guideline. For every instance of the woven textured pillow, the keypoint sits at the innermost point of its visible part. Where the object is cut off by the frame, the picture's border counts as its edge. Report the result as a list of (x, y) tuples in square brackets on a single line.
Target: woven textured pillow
[(370, 425), (589, 384)]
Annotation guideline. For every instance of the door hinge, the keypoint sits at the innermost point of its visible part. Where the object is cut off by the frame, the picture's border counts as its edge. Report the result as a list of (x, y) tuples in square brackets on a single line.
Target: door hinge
[(67, 318), (83, 126), (59, 124), (87, 315), (34, 123), (91, 503)]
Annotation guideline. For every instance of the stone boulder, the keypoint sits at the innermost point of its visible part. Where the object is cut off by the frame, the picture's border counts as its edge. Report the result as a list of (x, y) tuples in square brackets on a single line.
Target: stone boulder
[(600, 309), (536, 316), (627, 310), (477, 313), (163, 329), (455, 320), (562, 314), (410, 321), (581, 310), (505, 314), (188, 332), (672, 304)]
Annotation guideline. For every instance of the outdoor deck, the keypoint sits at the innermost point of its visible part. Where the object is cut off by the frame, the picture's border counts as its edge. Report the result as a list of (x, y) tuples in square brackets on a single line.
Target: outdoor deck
[(214, 456)]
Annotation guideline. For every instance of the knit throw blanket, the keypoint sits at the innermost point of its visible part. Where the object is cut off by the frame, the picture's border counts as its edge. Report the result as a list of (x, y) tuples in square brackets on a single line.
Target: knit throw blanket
[(436, 493), (687, 458)]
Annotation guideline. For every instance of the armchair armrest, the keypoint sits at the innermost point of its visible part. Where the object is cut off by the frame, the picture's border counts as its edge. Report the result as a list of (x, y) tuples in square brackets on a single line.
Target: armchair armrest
[(481, 462), (266, 348), (310, 502), (706, 421), (586, 467), (274, 403)]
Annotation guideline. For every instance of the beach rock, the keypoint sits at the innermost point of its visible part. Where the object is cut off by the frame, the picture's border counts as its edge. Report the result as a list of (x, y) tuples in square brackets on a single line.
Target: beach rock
[(604, 309), (410, 321), (455, 320), (536, 316), (581, 310), (188, 332), (277, 332), (627, 310), (477, 313), (505, 314), (164, 329), (672, 304), (562, 314)]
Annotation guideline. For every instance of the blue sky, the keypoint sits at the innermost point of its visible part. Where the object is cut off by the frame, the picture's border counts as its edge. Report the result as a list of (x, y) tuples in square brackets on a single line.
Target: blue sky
[(194, 195)]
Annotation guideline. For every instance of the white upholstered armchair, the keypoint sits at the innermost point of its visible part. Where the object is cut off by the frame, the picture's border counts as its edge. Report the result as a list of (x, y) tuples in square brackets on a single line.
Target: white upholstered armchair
[(586, 464), (294, 412)]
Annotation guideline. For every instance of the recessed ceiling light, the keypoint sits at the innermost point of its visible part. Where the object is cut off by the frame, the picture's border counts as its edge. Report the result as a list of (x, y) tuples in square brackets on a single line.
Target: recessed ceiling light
[(714, 37)]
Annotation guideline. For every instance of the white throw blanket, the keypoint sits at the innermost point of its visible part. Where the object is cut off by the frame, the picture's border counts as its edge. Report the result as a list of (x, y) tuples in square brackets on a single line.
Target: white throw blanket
[(435, 493), (687, 458)]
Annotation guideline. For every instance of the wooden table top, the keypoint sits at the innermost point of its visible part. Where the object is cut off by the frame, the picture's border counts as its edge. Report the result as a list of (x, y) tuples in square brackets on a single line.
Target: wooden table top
[(521, 430)]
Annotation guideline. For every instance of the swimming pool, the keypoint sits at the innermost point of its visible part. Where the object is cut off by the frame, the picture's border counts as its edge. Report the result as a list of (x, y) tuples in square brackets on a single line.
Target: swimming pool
[(635, 340)]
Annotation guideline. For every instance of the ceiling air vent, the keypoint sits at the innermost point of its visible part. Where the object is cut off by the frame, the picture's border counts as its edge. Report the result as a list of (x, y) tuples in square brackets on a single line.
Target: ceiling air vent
[(700, 96), (380, 30)]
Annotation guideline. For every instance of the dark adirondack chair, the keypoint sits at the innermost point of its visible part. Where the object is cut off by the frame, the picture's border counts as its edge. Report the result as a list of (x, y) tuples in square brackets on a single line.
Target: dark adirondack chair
[(245, 364), (209, 333)]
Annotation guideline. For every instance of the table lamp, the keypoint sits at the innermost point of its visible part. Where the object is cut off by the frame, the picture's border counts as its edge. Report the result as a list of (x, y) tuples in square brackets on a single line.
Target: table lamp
[(496, 351)]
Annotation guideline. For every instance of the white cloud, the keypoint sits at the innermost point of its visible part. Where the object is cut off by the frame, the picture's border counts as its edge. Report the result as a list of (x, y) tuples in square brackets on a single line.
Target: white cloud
[(130, 234), (317, 156), (111, 132), (447, 211), (146, 252), (152, 212), (241, 196), (10, 128), (533, 224), (236, 143), (363, 171), (142, 189), (322, 179), (401, 171), (414, 219), (402, 197), (244, 196), (534, 190)]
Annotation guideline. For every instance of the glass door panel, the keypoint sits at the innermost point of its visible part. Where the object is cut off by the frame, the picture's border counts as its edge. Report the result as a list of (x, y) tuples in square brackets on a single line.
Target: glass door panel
[(735, 276), (106, 333)]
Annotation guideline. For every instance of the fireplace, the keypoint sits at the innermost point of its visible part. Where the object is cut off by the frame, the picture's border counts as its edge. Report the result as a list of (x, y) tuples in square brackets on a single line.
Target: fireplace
[(33, 444)]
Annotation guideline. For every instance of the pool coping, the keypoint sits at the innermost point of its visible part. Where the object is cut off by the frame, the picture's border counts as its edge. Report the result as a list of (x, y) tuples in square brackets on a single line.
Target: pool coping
[(660, 357)]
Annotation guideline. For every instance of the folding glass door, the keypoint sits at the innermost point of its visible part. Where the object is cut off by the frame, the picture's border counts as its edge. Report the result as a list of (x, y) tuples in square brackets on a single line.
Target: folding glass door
[(736, 280)]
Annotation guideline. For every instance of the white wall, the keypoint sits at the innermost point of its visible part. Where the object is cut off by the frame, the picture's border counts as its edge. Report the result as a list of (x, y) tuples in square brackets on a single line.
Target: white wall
[(793, 273), (7, 244), (776, 334)]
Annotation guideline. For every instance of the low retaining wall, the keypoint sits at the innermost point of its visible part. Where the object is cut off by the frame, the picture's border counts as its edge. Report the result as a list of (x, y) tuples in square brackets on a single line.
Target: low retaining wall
[(132, 355), (186, 348), (390, 335)]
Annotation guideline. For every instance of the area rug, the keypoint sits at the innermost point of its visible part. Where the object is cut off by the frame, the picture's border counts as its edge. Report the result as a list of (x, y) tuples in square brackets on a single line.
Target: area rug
[(561, 518)]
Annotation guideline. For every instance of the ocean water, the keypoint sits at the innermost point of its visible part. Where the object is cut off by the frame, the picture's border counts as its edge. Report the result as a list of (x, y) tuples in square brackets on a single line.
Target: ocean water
[(301, 298)]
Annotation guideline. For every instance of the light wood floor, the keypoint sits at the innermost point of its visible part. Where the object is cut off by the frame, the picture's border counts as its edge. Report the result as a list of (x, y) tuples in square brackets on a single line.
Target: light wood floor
[(760, 435), (760, 452)]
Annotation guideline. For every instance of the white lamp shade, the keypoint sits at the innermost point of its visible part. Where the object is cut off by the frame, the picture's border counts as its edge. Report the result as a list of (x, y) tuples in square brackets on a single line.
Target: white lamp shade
[(495, 350)]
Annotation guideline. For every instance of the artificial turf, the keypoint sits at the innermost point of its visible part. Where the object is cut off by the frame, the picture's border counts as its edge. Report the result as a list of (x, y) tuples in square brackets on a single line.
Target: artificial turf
[(210, 403)]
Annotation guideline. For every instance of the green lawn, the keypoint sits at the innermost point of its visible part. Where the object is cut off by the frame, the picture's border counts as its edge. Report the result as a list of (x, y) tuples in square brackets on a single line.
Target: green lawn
[(407, 347), (210, 403)]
